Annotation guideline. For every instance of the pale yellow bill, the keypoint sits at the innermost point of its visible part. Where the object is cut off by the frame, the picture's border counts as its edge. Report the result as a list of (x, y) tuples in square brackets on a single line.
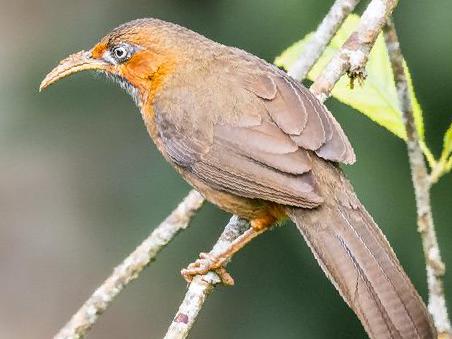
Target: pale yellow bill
[(74, 63)]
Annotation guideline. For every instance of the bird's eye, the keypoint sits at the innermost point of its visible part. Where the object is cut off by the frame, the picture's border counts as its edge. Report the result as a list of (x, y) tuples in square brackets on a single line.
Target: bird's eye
[(121, 53)]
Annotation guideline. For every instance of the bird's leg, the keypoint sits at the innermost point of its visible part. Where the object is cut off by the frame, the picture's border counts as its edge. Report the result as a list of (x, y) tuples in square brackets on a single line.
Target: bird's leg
[(214, 261)]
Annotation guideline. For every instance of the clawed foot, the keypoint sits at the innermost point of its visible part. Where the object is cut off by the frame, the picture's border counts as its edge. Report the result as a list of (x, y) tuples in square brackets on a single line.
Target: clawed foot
[(206, 263), (215, 262)]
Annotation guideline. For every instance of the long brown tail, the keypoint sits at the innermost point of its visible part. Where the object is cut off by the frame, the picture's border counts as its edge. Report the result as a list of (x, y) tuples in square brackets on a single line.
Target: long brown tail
[(359, 261)]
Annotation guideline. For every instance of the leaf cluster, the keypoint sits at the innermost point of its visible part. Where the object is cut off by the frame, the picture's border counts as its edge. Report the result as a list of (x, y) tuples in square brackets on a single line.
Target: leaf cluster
[(376, 97)]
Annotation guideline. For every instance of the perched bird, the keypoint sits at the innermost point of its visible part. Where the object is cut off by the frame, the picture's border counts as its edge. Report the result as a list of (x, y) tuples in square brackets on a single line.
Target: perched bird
[(258, 144)]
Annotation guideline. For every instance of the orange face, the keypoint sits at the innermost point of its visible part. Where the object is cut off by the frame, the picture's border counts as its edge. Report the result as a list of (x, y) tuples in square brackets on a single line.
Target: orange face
[(126, 59)]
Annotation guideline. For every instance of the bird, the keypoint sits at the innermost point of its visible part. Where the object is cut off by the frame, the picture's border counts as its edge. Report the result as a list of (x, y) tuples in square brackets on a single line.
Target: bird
[(258, 144)]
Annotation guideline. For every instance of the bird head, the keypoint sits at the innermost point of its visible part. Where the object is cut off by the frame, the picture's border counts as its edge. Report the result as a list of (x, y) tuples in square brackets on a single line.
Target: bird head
[(138, 55)]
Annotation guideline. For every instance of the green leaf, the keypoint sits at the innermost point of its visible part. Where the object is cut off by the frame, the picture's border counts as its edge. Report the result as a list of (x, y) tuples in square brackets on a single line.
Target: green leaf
[(377, 97), (444, 164), (447, 148)]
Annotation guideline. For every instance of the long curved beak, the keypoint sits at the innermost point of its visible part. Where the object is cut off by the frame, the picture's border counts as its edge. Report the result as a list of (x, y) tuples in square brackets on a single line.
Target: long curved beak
[(74, 63)]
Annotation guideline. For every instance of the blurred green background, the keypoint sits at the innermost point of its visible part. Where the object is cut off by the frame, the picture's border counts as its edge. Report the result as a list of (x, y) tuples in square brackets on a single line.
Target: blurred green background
[(81, 183)]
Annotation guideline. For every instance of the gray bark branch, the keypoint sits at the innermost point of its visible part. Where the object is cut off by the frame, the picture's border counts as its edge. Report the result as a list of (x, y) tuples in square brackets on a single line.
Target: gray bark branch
[(421, 182), (321, 38), (354, 53), (202, 285), (131, 267)]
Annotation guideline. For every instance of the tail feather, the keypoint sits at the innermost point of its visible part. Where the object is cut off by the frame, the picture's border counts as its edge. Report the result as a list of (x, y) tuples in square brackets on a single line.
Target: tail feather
[(359, 261)]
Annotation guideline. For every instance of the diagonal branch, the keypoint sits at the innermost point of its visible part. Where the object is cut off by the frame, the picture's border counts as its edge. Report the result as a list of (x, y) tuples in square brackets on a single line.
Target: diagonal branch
[(131, 267), (202, 285), (434, 264), (353, 55), (321, 37)]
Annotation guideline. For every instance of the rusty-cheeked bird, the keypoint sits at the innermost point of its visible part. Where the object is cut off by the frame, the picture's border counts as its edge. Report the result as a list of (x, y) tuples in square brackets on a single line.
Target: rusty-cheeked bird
[(258, 144)]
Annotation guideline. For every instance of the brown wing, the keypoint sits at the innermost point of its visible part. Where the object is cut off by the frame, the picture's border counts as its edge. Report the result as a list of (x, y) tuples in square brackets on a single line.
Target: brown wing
[(258, 162), (257, 142), (300, 115)]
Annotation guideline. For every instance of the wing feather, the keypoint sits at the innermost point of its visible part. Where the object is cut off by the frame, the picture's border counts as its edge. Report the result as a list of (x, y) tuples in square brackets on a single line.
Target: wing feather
[(303, 117)]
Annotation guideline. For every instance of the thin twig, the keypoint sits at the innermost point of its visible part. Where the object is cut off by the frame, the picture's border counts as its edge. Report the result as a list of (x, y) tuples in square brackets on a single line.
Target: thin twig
[(421, 182), (202, 285), (322, 36), (354, 53), (131, 267)]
